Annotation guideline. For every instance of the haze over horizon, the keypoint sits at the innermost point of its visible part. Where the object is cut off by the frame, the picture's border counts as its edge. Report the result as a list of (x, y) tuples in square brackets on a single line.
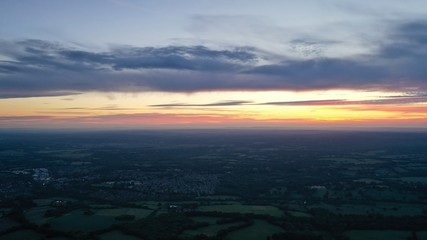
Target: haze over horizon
[(159, 64)]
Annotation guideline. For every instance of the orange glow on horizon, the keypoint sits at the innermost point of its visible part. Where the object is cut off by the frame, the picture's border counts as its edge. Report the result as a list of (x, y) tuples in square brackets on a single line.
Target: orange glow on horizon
[(334, 108)]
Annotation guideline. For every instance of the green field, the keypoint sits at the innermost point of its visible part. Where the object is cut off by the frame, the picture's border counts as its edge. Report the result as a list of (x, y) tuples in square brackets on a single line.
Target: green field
[(115, 212), (22, 235), (101, 206), (260, 230), (299, 214), (210, 220), (210, 230), (149, 204), (377, 235), (115, 235), (76, 221), (37, 215), (387, 209), (239, 208)]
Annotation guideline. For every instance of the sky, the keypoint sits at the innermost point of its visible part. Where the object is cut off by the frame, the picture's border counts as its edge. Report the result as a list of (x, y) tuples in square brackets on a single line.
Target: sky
[(323, 64)]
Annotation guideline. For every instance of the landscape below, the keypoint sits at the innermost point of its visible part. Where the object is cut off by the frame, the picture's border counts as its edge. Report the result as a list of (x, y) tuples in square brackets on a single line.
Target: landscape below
[(213, 184)]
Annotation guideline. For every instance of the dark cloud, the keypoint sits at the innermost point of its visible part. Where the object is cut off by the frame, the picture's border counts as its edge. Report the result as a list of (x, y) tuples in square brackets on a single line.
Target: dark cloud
[(392, 100), (38, 53), (9, 67), (327, 102), (45, 68), (307, 103), (42, 68), (24, 118), (399, 64), (67, 99), (106, 108), (215, 104), (324, 73), (28, 93), (187, 58)]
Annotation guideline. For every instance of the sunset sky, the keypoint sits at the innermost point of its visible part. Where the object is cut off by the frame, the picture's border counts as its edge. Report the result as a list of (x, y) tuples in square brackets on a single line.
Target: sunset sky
[(224, 63)]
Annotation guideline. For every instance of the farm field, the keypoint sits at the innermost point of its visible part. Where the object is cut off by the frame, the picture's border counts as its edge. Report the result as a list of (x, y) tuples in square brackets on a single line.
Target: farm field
[(259, 230), (210, 230), (77, 221), (209, 220), (386, 209), (21, 235), (116, 235), (115, 212), (377, 234), (240, 208)]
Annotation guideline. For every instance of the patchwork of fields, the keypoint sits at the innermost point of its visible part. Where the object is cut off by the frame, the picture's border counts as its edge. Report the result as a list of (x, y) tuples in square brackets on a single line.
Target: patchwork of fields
[(214, 186)]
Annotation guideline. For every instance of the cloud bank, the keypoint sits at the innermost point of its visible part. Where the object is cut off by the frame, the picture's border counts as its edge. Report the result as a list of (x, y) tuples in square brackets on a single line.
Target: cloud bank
[(32, 68)]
